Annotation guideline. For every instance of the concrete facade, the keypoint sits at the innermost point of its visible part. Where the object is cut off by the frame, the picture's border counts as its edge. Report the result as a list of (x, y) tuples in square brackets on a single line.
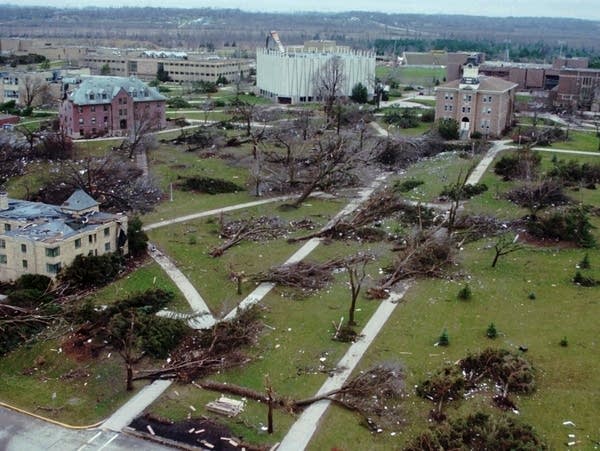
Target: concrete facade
[(180, 69), (37, 238), (289, 77), (113, 106), (478, 103)]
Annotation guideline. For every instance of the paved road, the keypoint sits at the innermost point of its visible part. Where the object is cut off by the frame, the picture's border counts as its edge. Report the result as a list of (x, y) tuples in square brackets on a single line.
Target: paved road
[(20, 432)]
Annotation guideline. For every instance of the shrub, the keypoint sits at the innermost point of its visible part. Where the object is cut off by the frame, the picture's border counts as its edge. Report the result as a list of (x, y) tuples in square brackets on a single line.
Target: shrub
[(584, 281), (428, 116), (448, 128), (407, 185), (209, 185), (463, 192), (531, 296), (403, 118), (585, 262), (476, 135), (491, 331), (464, 294), (177, 102), (523, 164), (33, 281), (564, 342), (572, 224), (443, 339), (359, 93), (92, 271), (538, 196), (136, 237)]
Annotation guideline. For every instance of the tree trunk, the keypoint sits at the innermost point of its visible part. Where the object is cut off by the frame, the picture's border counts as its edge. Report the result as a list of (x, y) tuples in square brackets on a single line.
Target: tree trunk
[(351, 321), (496, 257), (129, 377)]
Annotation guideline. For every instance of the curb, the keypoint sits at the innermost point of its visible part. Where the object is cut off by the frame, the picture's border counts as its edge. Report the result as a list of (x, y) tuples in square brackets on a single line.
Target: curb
[(49, 420)]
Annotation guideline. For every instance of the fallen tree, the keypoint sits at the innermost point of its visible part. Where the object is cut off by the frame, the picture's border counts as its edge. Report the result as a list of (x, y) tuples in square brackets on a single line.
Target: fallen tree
[(307, 276), (375, 394), (210, 350)]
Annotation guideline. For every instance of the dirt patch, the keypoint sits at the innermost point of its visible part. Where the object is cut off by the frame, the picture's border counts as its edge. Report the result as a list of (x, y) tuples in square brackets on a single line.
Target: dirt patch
[(200, 432)]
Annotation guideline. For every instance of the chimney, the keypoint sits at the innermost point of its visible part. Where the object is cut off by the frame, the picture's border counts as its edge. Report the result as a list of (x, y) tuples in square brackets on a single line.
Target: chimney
[(3, 200)]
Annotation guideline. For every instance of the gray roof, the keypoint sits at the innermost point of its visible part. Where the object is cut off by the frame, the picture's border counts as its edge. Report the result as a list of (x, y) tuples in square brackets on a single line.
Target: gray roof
[(44, 222), (100, 90), (79, 200), (489, 84)]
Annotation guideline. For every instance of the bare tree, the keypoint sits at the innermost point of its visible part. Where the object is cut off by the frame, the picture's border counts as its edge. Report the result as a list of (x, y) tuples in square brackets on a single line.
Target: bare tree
[(356, 276), (34, 90), (331, 161), (140, 135), (116, 183), (328, 83), (244, 112), (505, 245)]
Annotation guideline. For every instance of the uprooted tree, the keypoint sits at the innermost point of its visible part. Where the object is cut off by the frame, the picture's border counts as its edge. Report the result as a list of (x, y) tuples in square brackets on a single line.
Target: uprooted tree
[(208, 351), (375, 394), (510, 373), (131, 327), (478, 431)]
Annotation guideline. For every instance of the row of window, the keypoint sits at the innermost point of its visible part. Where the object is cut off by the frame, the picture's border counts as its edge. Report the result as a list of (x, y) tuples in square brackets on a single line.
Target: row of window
[(51, 268)]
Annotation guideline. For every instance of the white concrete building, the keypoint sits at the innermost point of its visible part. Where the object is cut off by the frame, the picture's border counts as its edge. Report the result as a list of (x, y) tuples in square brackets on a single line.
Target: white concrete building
[(289, 76)]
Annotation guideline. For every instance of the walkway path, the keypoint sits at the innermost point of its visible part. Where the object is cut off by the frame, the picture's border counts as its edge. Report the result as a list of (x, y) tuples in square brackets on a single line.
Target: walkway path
[(303, 429), (572, 152), (216, 211), (301, 432), (480, 169), (152, 392)]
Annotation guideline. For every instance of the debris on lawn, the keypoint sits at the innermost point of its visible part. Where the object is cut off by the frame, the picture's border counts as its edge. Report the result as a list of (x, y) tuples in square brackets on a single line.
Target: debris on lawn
[(210, 350), (198, 432)]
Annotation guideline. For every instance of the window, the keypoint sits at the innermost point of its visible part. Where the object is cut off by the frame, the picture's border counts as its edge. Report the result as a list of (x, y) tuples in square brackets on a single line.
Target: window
[(7, 227), (3, 259), (105, 108), (107, 247), (25, 264), (24, 248), (52, 268), (52, 251), (81, 109), (93, 108), (77, 243), (81, 120), (490, 99), (107, 232), (2, 244)]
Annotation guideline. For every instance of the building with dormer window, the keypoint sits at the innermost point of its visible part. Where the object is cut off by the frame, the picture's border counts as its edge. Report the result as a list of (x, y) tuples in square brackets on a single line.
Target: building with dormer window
[(477, 102), (112, 106), (38, 238)]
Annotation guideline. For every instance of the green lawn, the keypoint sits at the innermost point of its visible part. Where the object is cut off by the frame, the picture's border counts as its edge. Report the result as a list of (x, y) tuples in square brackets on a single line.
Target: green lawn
[(586, 141), (148, 276), (426, 102), (415, 75), (565, 376), (437, 172), (298, 336), (188, 244), (42, 379)]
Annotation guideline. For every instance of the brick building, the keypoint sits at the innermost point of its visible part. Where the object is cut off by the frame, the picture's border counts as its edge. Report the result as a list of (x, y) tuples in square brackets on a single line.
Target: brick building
[(115, 106), (37, 238), (477, 102)]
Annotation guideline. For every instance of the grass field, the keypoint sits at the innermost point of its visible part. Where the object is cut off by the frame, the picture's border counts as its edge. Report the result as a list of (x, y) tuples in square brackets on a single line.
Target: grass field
[(412, 75), (585, 141)]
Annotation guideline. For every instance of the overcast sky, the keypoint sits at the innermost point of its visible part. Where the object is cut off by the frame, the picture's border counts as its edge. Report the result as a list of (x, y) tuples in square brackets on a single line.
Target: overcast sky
[(586, 9)]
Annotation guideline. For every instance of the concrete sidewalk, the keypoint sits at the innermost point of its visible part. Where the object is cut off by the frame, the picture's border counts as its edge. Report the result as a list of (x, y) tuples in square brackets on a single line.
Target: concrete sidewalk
[(303, 429)]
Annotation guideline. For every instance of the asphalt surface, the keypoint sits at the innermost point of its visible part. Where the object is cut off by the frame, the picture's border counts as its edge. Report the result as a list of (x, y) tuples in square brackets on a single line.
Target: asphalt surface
[(20, 432)]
